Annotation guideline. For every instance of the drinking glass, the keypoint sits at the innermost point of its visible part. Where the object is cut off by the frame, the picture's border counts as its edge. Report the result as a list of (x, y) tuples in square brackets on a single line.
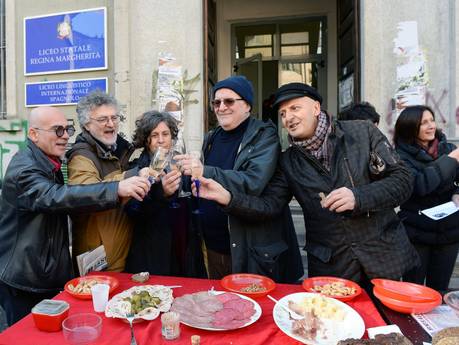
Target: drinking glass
[(174, 165), (158, 162), (196, 174), (179, 149)]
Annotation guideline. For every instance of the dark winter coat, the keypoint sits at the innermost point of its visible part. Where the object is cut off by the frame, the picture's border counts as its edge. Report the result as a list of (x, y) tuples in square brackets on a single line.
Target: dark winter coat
[(434, 184), (371, 236), (268, 248), (166, 241), (34, 244)]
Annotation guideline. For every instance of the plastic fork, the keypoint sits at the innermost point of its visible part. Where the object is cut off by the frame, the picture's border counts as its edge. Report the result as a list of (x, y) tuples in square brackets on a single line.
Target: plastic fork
[(292, 314), (130, 318)]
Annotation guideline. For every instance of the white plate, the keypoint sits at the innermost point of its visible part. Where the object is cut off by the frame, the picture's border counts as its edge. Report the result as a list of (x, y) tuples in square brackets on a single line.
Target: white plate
[(351, 327), (118, 308), (254, 317)]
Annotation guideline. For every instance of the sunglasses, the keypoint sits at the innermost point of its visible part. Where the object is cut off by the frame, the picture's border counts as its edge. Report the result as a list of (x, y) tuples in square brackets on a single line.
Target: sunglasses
[(59, 130), (228, 102)]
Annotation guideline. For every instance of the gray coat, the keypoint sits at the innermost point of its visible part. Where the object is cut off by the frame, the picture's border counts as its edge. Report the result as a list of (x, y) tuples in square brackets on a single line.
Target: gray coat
[(258, 247), (370, 238)]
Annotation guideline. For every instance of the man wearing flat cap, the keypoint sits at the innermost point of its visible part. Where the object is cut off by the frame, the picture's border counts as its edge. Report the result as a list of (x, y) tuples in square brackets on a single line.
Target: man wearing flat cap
[(241, 154), (352, 229)]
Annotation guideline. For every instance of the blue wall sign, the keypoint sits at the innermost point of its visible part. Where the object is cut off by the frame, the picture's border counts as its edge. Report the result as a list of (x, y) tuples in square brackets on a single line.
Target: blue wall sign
[(62, 92), (66, 42)]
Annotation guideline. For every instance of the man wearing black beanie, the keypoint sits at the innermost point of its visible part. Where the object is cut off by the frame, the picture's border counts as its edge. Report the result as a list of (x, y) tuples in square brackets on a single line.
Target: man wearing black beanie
[(352, 229), (242, 155)]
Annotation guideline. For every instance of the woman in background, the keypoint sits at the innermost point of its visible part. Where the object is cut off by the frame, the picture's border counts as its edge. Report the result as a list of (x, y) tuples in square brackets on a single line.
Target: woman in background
[(163, 236), (434, 165)]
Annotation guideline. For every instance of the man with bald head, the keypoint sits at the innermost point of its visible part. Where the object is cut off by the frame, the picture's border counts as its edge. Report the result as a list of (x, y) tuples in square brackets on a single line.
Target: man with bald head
[(34, 246)]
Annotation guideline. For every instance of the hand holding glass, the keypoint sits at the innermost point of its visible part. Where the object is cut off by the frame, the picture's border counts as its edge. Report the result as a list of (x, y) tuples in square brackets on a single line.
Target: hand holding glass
[(158, 162), (197, 170)]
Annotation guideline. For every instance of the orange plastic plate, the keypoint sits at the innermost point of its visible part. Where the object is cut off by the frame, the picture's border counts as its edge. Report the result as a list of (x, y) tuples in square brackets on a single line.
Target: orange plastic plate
[(405, 307), (113, 282), (310, 283), (404, 291), (237, 282)]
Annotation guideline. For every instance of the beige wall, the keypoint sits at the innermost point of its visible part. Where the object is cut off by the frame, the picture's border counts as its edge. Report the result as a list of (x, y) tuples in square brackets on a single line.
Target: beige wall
[(134, 30), (236, 11), (437, 37)]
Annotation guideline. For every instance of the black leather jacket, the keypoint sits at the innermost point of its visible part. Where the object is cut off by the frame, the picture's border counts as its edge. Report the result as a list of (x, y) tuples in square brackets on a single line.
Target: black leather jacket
[(338, 244), (34, 244), (268, 248)]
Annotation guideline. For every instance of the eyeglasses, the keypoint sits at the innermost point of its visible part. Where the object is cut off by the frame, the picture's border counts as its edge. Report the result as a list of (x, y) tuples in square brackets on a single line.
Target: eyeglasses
[(103, 120), (228, 102), (59, 130)]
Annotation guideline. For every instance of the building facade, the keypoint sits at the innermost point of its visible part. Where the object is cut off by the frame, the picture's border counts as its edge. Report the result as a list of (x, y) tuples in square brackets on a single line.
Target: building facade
[(390, 53)]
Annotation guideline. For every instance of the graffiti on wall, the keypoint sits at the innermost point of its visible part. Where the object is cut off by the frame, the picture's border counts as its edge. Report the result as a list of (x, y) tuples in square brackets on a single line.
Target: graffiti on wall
[(12, 139)]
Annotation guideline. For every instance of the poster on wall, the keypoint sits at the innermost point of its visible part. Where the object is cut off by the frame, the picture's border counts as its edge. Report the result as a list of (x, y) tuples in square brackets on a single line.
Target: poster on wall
[(61, 92), (66, 42), (346, 92)]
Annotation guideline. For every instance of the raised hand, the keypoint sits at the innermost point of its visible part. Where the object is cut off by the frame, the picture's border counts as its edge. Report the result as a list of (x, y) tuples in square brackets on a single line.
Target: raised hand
[(212, 190), (134, 187)]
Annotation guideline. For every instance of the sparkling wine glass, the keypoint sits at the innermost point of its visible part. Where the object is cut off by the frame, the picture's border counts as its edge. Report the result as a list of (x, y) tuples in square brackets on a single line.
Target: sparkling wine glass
[(196, 174), (174, 165), (158, 162), (178, 148)]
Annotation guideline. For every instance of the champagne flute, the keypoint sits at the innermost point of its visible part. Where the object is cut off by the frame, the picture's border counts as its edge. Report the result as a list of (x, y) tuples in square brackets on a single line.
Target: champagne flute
[(158, 162), (196, 173), (179, 149), (174, 165)]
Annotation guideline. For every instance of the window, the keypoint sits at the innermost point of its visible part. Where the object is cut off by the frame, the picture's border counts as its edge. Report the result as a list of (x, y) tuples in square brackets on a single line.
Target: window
[(2, 61)]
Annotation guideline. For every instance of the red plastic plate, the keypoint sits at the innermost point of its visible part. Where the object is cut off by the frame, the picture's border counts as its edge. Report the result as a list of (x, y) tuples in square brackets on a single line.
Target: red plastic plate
[(310, 283), (113, 282), (237, 282)]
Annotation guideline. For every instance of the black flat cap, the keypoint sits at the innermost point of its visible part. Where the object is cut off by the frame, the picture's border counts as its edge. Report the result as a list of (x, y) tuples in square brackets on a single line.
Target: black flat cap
[(295, 90)]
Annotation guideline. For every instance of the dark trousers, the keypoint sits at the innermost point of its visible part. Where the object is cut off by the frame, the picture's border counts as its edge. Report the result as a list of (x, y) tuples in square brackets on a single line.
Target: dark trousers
[(437, 265), (18, 303), (218, 265)]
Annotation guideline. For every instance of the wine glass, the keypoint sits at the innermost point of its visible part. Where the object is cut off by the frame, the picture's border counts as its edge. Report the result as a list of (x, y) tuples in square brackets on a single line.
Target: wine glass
[(174, 165), (196, 174), (178, 148), (158, 162)]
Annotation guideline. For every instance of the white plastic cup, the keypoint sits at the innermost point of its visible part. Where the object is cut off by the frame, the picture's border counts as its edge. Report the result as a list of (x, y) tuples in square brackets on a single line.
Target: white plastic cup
[(100, 296)]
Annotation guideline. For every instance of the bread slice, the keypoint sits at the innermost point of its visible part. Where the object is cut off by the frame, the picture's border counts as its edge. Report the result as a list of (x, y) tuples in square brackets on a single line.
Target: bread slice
[(447, 336)]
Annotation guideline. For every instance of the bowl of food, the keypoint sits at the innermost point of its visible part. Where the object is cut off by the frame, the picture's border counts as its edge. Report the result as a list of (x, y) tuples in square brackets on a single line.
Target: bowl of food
[(403, 306), (338, 288), (251, 285), (81, 287), (452, 299), (82, 328), (49, 314)]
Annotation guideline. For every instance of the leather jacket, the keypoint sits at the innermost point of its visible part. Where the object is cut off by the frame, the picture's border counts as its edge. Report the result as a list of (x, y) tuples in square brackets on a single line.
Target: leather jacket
[(34, 243), (268, 248)]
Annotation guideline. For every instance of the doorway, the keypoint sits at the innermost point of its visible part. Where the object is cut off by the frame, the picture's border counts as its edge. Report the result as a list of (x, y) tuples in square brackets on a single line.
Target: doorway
[(271, 54)]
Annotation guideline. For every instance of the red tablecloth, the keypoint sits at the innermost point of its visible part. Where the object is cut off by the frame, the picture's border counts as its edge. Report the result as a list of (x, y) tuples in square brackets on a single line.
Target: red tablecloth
[(115, 331)]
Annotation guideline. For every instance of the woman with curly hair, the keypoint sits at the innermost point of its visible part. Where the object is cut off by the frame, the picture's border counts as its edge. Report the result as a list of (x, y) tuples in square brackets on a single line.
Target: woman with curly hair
[(162, 235), (435, 168)]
